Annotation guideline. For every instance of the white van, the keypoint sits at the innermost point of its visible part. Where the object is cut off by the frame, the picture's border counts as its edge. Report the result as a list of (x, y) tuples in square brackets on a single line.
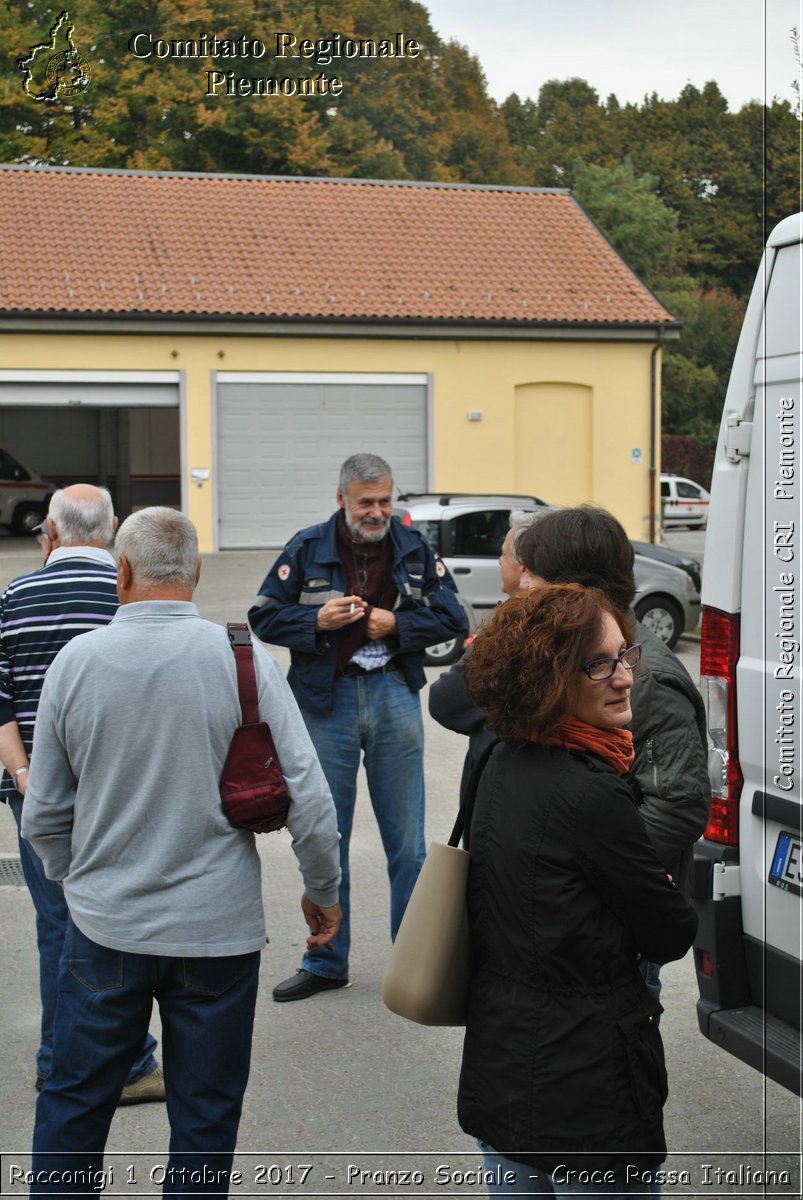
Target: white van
[(683, 502), (748, 870), (24, 495)]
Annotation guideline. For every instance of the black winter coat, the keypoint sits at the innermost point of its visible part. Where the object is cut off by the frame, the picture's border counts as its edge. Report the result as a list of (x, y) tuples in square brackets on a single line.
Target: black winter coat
[(562, 1053), (669, 735)]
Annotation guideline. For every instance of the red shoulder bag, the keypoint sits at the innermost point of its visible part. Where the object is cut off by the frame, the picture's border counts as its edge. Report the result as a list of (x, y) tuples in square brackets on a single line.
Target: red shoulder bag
[(252, 787)]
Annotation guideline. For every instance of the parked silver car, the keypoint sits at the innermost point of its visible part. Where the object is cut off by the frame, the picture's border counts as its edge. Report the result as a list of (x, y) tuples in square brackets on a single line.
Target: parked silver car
[(467, 531)]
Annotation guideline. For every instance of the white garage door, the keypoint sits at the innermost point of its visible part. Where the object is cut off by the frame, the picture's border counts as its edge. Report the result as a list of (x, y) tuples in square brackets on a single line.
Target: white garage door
[(282, 439)]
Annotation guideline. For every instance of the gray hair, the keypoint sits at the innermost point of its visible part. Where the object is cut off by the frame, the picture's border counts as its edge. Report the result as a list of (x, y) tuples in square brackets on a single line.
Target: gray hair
[(83, 522), (367, 468), (519, 521), (161, 546)]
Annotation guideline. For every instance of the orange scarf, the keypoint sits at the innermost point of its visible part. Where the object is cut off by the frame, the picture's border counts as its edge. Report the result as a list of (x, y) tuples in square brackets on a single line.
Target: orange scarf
[(614, 746)]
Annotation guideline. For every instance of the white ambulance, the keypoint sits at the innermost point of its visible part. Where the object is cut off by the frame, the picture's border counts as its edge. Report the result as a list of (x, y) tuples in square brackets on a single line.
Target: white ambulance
[(748, 871)]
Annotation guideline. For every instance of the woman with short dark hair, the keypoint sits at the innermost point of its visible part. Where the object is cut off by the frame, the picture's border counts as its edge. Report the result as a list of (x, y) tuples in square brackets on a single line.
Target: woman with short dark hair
[(563, 1079)]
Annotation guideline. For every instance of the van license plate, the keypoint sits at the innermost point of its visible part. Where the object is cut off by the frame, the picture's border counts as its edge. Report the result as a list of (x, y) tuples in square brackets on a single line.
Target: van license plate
[(786, 871)]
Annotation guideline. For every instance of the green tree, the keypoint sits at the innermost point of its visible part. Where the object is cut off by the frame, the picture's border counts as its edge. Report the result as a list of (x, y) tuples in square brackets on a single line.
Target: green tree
[(721, 172), (424, 118), (566, 124), (697, 367), (471, 137), (691, 399), (626, 208)]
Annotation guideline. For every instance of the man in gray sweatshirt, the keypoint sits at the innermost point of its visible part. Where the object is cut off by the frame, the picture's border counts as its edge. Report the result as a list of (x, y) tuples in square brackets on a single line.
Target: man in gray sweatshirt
[(164, 895)]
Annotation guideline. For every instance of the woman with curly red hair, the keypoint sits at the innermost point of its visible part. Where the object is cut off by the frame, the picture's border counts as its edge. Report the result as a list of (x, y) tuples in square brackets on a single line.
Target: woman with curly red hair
[(563, 1079)]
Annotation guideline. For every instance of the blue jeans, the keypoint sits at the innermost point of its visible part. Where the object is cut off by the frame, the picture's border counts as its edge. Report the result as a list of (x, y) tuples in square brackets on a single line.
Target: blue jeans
[(377, 715), (51, 926), (103, 1009), (530, 1181), (651, 974)]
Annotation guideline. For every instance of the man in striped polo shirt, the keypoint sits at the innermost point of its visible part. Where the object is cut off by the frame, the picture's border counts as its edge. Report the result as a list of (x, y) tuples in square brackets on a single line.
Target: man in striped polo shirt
[(74, 591)]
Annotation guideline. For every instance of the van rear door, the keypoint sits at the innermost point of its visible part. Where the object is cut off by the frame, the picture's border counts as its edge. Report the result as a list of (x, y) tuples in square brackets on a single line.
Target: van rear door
[(769, 673), (747, 879)]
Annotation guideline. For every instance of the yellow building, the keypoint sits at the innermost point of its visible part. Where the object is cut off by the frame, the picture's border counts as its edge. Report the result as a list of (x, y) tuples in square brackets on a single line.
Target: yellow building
[(224, 342)]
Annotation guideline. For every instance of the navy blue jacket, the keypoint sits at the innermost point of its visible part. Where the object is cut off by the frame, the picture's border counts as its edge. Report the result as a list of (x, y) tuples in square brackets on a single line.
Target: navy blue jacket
[(309, 572)]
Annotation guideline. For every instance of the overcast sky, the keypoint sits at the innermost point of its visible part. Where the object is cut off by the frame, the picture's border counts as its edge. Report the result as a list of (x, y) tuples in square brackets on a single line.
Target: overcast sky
[(629, 47)]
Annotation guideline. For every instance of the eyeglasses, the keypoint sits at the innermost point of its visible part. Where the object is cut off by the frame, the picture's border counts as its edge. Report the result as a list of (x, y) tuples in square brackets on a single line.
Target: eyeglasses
[(603, 668)]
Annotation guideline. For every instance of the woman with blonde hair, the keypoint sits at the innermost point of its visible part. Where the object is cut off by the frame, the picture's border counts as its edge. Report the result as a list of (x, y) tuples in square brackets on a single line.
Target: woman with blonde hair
[(563, 1079)]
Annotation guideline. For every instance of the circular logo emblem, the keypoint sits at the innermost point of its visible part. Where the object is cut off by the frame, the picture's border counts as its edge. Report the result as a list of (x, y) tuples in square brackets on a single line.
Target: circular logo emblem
[(283, 572), (68, 74), (440, 568)]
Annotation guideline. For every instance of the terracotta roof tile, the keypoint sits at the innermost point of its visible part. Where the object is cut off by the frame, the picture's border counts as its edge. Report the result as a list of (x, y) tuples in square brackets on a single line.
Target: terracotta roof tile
[(149, 243)]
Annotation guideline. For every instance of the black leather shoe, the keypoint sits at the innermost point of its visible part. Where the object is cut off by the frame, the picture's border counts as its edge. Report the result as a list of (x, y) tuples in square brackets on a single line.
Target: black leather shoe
[(304, 984)]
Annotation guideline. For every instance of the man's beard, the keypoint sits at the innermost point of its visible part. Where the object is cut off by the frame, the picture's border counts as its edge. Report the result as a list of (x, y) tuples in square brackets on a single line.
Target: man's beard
[(359, 531)]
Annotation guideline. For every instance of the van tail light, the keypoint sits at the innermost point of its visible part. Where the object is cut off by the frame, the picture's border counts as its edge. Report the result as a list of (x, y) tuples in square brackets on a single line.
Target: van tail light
[(706, 963), (407, 519), (719, 652)]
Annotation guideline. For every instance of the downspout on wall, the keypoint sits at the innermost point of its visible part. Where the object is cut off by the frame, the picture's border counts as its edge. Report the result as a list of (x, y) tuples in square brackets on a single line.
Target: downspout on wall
[(653, 471)]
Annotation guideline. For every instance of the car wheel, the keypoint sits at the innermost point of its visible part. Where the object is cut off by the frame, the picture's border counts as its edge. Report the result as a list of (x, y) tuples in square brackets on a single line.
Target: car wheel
[(443, 653), (26, 518), (662, 617)]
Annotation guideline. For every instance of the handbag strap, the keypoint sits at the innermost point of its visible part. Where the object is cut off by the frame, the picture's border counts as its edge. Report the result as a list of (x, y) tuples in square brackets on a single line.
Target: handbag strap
[(240, 638), (462, 826)]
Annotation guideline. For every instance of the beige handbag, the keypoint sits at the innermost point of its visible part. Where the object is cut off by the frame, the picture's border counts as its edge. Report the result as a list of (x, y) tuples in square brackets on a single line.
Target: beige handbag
[(426, 978), (427, 973)]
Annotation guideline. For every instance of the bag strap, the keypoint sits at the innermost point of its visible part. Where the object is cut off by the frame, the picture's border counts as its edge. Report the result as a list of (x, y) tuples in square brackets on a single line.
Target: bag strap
[(462, 826), (240, 638)]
